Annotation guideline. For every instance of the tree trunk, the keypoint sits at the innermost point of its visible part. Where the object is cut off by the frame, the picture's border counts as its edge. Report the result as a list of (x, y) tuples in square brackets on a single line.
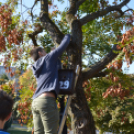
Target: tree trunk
[(81, 118)]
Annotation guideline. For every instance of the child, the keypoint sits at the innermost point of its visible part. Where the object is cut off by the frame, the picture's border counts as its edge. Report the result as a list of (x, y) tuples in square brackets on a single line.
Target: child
[(6, 104)]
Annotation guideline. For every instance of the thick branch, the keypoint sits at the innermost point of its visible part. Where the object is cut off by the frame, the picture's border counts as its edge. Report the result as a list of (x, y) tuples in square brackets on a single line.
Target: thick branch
[(74, 6), (44, 6), (48, 24), (73, 57), (32, 35), (95, 69), (101, 74), (71, 12), (72, 9), (100, 13), (79, 3)]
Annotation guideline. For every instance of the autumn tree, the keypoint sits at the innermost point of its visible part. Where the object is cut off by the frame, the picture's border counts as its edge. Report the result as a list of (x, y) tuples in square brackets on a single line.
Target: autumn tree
[(3, 78), (94, 25)]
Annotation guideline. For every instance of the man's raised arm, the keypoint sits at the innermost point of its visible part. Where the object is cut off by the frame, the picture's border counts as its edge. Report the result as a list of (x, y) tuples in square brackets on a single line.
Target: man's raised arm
[(61, 48)]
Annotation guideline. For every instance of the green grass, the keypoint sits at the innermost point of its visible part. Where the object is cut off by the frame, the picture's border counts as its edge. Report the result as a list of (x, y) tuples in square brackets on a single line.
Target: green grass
[(18, 132), (17, 129)]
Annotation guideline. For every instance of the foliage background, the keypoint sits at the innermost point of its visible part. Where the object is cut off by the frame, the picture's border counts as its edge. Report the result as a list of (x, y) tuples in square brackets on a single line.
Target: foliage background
[(112, 113)]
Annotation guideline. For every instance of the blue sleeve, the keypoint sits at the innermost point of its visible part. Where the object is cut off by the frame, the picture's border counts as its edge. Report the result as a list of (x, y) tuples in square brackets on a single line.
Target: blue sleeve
[(61, 48)]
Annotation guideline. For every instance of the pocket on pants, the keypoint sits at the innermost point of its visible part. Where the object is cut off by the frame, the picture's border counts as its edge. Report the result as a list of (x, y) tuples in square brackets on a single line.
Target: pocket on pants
[(51, 112)]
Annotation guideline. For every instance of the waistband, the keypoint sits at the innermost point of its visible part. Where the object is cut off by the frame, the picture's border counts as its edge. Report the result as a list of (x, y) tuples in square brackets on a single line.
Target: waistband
[(45, 97)]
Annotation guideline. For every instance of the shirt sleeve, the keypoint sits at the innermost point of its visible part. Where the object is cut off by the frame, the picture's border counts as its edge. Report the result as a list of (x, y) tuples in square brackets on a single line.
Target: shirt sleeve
[(61, 48)]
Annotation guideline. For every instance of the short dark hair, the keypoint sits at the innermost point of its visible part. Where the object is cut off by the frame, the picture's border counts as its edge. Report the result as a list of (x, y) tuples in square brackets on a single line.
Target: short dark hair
[(34, 53), (6, 104)]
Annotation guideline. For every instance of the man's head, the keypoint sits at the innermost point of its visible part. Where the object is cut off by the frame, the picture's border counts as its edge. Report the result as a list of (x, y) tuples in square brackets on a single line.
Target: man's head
[(37, 52), (6, 104)]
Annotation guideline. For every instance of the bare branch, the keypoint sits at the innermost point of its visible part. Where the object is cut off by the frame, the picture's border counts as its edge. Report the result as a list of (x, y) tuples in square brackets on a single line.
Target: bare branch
[(121, 14), (24, 5), (33, 7), (28, 8), (95, 69), (130, 9), (103, 12)]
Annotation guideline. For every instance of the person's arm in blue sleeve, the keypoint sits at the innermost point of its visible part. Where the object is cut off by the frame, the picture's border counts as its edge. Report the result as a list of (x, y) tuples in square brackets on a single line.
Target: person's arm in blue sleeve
[(61, 48)]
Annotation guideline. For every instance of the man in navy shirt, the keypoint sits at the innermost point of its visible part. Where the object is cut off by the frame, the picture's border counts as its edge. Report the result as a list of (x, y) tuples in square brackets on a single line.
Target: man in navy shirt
[(6, 104), (45, 70)]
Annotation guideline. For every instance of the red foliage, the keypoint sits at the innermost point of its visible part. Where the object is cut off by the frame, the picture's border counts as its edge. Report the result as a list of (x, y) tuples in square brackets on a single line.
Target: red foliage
[(127, 48), (12, 35), (23, 108)]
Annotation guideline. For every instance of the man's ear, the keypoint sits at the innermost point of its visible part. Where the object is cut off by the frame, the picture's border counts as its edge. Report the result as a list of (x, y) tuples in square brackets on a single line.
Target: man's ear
[(40, 53), (9, 116)]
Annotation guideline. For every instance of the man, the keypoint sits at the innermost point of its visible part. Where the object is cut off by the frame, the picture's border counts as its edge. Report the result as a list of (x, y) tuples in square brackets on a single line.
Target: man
[(45, 69), (6, 104)]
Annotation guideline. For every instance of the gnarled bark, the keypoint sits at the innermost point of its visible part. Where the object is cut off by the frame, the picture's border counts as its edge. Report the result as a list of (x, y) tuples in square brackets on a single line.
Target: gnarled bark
[(81, 118)]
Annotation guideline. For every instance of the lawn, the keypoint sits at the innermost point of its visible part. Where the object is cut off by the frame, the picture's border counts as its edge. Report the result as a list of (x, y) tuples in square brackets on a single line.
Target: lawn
[(18, 132), (17, 129)]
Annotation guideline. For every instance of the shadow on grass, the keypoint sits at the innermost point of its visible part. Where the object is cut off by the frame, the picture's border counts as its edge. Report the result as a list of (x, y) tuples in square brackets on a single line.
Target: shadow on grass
[(18, 132)]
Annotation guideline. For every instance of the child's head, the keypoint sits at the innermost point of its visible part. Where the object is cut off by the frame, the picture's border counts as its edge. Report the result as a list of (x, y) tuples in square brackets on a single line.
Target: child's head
[(6, 104), (37, 52)]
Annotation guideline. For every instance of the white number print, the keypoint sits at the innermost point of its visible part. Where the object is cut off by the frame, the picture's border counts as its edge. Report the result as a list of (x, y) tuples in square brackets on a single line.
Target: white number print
[(61, 84), (64, 84)]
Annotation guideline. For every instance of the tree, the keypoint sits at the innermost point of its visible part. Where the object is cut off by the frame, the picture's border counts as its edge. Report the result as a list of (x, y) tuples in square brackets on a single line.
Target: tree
[(27, 88), (3, 78), (94, 25), (112, 110)]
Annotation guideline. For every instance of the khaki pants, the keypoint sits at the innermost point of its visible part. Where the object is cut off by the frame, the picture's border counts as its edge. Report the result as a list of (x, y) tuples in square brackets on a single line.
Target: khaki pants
[(45, 115)]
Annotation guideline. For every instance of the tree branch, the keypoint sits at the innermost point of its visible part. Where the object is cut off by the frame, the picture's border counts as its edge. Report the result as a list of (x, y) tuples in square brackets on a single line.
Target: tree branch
[(122, 13), (72, 9), (101, 74), (100, 13), (71, 12), (130, 9), (32, 35), (33, 7), (48, 24), (74, 57), (94, 69), (79, 3), (74, 6)]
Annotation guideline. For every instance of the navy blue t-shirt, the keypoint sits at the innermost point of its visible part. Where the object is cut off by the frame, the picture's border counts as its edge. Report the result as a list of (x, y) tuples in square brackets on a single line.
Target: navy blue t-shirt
[(45, 69)]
